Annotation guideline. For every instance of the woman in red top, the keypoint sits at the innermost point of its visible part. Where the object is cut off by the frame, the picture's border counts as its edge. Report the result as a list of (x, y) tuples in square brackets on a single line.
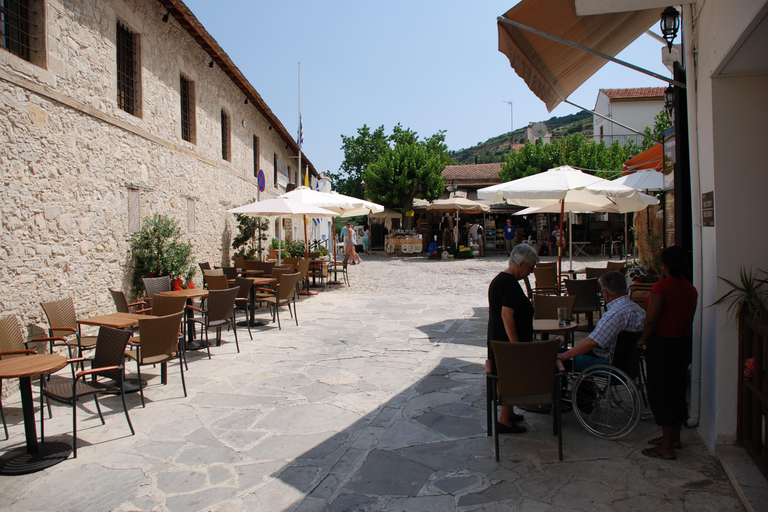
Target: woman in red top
[(667, 343)]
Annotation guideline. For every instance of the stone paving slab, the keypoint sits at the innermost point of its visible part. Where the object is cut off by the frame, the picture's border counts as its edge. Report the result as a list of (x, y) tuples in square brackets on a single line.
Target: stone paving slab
[(375, 401)]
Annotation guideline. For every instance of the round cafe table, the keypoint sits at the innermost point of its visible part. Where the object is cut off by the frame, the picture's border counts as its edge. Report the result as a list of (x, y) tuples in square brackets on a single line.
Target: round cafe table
[(37, 455)]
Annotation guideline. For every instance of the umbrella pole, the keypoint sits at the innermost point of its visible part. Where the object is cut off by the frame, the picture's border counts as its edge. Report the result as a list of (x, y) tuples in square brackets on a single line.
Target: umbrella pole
[(306, 291), (570, 240), (280, 241), (333, 222), (560, 245)]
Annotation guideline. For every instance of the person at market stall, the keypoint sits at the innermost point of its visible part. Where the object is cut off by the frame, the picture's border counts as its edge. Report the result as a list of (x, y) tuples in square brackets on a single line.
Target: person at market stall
[(509, 236), (366, 239), (667, 343), (476, 235), (510, 318)]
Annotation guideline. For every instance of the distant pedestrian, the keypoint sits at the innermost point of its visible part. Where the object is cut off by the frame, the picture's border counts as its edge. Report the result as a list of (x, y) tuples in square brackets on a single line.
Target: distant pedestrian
[(366, 239), (351, 241), (509, 236)]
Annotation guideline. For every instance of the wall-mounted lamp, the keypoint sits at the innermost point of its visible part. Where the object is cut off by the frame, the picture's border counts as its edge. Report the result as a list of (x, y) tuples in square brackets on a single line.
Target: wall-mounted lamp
[(670, 24), (165, 17), (669, 103), (210, 64)]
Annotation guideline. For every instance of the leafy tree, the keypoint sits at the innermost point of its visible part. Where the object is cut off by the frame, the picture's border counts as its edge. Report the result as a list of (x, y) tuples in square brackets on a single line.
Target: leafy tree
[(359, 152), (251, 232), (411, 168), (158, 250), (574, 150), (660, 123)]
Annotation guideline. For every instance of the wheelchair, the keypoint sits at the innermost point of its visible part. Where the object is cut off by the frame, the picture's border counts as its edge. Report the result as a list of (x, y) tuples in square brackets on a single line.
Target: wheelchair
[(608, 399)]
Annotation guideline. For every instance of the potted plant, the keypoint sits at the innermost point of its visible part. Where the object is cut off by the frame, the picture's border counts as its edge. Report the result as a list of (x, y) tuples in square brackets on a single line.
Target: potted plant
[(748, 296), (252, 231), (158, 250)]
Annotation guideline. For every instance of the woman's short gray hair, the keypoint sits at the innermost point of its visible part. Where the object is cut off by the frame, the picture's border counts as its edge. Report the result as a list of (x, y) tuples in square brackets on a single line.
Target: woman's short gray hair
[(523, 253)]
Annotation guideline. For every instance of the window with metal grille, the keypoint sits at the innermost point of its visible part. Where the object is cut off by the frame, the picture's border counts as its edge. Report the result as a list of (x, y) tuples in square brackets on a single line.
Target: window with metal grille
[(225, 146), (17, 27), (187, 109), (127, 82)]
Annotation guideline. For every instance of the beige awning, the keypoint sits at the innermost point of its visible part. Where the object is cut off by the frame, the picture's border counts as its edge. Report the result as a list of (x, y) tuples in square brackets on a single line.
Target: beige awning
[(553, 70)]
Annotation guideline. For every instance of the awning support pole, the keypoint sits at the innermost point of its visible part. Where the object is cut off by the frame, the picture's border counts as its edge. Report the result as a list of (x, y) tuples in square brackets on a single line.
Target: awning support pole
[(612, 121), (596, 53)]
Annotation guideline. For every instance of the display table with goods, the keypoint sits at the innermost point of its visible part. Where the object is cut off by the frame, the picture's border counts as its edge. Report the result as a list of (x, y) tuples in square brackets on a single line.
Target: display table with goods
[(404, 242)]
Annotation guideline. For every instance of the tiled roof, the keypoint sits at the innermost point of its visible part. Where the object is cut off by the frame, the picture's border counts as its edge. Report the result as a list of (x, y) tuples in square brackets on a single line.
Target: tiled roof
[(475, 173), (636, 93)]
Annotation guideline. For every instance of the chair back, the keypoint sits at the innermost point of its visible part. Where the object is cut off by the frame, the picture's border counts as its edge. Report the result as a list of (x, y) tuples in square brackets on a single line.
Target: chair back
[(587, 293), (110, 350), (11, 336), (546, 277), (160, 335), (286, 266), (291, 261), (217, 282), (279, 271), (595, 273), (314, 255), (213, 272), (616, 266), (528, 289), (60, 313), (244, 284), (251, 265), (230, 272), (205, 266), (545, 306), (303, 266), (266, 266), (154, 285), (221, 303), (526, 371), (163, 305), (626, 354), (239, 262), (287, 287), (639, 291), (345, 263), (546, 264), (121, 303)]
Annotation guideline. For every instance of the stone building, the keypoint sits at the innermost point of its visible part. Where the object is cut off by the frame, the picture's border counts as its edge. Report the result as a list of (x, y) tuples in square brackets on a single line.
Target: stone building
[(114, 110)]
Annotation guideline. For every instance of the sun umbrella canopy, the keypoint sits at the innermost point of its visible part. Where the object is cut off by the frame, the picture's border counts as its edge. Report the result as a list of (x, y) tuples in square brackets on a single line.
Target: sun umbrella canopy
[(460, 204), (313, 197), (357, 206), (282, 207), (643, 180), (569, 185)]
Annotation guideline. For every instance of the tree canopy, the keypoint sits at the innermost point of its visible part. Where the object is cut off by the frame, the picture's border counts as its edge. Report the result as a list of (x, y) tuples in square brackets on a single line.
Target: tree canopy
[(575, 150), (395, 168)]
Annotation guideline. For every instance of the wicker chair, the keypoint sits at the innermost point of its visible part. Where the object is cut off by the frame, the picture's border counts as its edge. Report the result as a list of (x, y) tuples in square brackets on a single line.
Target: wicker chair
[(639, 291), (158, 344), (204, 266), (546, 280), (220, 312), (293, 262), (587, 293), (121, 303), (284, 295), (303, 268), (217, 281), (526, 374), (62, 321), (617, 266), (230, 272), (153, 285), (108, 362), (12, 344), (266, 291), (340, 269), (243, 299), (545, 306), (595, 273), (239, 262)]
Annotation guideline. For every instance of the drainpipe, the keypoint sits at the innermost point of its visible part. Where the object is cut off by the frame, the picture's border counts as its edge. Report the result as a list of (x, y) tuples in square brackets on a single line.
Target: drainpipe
[(693, 150)]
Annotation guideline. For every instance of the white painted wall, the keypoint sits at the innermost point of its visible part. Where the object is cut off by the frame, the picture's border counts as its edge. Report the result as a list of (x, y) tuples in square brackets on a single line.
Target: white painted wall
[(634, 113)]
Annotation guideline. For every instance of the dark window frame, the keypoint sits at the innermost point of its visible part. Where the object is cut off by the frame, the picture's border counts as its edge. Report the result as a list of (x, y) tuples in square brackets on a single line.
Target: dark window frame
[(126, 44), (17, 28), (187, 101), (226, 130), (255, 156)]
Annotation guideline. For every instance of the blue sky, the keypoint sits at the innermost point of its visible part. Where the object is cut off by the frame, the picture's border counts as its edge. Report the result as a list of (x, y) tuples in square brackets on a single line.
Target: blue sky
[(425, 64)]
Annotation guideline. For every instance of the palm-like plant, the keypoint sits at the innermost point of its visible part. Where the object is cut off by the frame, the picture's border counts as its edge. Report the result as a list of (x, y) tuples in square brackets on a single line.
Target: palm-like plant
[(749, 295)]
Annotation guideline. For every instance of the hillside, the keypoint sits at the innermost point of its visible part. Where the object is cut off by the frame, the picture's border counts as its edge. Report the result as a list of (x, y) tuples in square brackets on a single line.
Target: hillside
[(495, 148)]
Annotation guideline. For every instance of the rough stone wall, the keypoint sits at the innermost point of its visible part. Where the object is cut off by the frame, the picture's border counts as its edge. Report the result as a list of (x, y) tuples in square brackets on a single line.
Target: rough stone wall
[(70, 155)]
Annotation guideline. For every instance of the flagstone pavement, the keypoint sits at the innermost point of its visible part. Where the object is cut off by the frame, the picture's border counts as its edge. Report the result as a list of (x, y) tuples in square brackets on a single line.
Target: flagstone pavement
[(375, 401)]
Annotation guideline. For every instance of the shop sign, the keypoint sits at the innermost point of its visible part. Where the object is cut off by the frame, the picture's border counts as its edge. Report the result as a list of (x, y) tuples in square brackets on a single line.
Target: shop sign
[(708, 209)]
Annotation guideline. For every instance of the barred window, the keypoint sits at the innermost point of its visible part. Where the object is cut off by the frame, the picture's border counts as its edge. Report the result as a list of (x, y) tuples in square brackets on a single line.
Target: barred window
[(187, 91), (18, 28), (255, 155), (226, 152), (127, 69)]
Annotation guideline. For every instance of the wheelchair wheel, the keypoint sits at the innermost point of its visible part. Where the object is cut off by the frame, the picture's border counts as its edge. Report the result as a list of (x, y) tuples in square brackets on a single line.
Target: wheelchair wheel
[(606, 402)]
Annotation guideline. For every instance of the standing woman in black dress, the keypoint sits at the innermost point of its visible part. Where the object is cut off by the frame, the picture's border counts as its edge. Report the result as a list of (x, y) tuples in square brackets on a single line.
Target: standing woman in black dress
[(510, 318)]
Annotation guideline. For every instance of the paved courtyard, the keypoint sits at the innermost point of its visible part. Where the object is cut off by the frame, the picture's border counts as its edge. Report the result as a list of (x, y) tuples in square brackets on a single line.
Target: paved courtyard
[(374, 402)]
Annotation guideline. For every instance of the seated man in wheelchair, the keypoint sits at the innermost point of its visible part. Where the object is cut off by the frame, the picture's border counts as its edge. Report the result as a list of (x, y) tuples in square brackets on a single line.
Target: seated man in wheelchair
[(621, 315)]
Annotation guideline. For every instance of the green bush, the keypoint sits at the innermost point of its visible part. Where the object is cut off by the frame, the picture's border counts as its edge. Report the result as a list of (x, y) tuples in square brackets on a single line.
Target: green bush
[(157, 250), (252, 231), (296, 248)]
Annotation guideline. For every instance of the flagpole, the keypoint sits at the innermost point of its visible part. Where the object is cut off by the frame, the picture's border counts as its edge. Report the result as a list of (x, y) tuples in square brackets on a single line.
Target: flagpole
[(301, 134)]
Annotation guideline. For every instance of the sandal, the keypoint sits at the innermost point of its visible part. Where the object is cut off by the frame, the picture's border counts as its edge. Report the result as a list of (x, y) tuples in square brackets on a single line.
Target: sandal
[(656, 441), (654, 454)]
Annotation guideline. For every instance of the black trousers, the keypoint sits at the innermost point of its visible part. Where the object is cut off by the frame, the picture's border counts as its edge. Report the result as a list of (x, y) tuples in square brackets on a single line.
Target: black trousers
[(667, 361)]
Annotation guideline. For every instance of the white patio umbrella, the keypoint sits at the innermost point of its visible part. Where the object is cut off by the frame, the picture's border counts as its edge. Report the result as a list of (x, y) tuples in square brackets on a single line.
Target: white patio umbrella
[(566, 185), (643, 180), (281, 207)]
